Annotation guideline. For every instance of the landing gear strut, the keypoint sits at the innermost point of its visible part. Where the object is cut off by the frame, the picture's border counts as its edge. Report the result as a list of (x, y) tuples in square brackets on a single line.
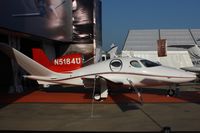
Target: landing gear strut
[(137, 91), (102, 92)]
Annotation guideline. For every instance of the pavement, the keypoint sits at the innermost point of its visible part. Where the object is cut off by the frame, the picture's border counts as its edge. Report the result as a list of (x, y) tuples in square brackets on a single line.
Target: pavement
[(101, 116)]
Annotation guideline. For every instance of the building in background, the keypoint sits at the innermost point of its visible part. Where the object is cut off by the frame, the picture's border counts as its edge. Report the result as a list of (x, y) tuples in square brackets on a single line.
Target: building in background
[(144, 43), (58, 27), (87, 26)]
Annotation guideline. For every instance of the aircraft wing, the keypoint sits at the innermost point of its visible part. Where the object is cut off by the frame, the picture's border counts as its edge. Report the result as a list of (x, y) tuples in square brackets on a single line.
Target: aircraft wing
[(89, 82)]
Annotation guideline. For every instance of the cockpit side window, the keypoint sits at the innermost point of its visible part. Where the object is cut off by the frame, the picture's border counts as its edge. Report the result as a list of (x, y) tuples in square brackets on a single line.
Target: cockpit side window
[(116, 63), (135, 63), (148, 63)]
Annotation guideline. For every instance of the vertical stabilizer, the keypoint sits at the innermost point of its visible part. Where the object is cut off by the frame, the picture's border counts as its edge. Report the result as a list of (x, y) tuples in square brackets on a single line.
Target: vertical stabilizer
[(41, 57), (194, 53)]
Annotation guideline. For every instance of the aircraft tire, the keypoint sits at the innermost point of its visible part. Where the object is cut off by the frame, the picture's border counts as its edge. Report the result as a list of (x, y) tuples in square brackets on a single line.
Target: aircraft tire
[(97, 97), (171, 92)]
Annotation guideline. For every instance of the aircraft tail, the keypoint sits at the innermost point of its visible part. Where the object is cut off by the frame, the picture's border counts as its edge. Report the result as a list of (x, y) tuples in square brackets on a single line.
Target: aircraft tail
[(41, 57), (63, 64), (29, 65), (113, 51)]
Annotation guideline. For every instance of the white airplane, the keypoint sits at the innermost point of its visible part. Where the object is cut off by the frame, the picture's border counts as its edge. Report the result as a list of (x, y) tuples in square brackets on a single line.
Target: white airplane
[(194, 53), (126, 71)]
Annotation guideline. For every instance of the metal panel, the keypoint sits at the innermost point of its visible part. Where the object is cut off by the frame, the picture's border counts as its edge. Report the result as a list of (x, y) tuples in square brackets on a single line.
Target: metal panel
[(146, 40), (51, 19), (141, 40), (176, 37)]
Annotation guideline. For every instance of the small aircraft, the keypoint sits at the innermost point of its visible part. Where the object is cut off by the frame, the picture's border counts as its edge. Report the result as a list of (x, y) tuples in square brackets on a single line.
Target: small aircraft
[(194, 52), (121, 71)]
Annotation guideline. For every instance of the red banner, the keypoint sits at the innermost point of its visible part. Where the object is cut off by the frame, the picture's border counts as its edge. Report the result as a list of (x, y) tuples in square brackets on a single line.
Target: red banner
[(161, 47)]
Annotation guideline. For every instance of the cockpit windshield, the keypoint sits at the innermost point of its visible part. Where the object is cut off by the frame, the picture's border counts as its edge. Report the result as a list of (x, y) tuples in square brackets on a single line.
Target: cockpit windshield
[(148, 63), (135, 63)]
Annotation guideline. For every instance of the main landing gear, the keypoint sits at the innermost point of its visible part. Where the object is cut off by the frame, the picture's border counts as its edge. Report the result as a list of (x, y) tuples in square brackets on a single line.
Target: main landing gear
[(102, 92), (173, 92)]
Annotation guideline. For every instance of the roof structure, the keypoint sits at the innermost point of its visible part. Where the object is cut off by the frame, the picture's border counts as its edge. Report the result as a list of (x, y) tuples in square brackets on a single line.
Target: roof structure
[(146, 39), (143, 43)]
